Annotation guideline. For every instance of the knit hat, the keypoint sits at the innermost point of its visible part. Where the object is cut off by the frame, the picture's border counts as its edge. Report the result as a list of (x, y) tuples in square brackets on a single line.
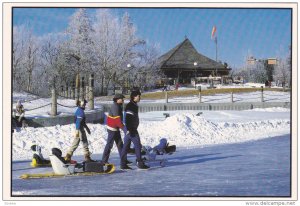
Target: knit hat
[(135, 93), (83, 102), (118, 96)]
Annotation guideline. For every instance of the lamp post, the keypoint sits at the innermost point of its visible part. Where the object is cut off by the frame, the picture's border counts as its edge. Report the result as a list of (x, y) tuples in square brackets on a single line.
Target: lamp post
[(195, 68), (128, 85)]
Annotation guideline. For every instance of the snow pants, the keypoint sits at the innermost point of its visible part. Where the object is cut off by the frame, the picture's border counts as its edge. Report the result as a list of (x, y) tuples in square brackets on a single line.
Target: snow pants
[(76, 141), (135, 139), (113, 136)]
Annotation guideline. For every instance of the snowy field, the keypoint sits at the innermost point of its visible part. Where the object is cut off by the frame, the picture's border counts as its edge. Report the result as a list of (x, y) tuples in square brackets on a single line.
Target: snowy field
[(38, 107), (183, 128), (220, 154)]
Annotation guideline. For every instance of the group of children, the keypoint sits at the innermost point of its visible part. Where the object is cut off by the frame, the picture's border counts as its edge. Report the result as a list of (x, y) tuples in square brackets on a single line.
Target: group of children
[(114, 124)]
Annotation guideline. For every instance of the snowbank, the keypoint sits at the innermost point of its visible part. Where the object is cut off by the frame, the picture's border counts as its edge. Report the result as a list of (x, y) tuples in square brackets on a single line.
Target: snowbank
[(184, 130)]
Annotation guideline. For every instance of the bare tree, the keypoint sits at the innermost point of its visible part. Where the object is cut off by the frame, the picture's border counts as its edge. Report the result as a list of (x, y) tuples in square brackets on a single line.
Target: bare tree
[(25, 47), (282, 72), (116, 46), (18, 58)]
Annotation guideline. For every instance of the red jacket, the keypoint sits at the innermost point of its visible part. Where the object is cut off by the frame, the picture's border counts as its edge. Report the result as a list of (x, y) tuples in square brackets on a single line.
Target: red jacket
[(115, 117), (114, 123)]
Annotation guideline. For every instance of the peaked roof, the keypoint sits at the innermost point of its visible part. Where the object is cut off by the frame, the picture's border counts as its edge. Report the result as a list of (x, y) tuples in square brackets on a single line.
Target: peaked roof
[(184, 55)]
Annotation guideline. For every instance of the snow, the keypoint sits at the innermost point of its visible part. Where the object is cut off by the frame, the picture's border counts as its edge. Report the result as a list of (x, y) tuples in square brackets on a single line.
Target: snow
[(220, 153), (183, 128), (252, 169), (33, 103)]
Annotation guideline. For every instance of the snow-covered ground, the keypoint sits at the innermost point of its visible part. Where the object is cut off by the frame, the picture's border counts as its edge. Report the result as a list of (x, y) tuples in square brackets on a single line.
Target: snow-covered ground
[(183, 128), (250, 169), (220, 153), (37, 107)]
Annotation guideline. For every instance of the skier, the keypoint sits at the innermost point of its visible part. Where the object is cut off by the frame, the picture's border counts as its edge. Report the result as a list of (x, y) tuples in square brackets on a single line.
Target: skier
[(132, 123), (19, 115), (114, 123), (80, 134)]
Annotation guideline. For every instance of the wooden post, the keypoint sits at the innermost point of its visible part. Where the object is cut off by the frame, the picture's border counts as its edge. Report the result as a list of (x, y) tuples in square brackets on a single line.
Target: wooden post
[(232, 97), (166, 96), (67, 91), (62, 91), (199, 89), (77, 86), (91, 92), (82, 89), (87, 96), (54, 102), (73, 90), (262, 94)]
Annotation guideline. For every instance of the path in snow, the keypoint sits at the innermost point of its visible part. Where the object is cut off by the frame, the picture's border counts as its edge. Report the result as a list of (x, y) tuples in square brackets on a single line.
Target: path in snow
[(251, 169)]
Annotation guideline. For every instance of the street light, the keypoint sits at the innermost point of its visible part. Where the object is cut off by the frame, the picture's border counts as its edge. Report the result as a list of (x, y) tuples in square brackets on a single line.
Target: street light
[(195, 65)]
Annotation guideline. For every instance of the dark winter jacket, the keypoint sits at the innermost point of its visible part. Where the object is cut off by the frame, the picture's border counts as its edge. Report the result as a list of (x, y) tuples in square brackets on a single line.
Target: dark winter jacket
[(115, 117), (132, 117)]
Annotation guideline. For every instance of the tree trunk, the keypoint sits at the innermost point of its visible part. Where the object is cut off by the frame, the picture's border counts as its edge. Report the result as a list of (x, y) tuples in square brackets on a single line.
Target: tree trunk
[(102, 85)]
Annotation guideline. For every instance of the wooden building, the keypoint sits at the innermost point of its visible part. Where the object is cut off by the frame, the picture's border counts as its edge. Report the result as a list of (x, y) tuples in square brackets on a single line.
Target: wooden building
[(183, 64)]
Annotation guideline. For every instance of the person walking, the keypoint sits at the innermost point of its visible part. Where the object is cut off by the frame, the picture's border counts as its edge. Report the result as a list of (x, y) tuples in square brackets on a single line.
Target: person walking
[(114, 124), (80, 134), (132, 123)]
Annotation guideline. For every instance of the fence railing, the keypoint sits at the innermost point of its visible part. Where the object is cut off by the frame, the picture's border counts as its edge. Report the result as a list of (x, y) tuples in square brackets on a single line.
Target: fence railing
[(230, 101), (151, 107)]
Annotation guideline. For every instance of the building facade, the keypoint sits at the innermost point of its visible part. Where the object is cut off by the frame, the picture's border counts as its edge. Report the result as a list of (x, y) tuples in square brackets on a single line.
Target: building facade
[(184, 64)]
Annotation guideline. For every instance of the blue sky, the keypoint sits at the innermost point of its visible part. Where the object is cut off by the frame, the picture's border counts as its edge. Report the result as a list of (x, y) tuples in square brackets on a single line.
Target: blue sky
[(263, 33)]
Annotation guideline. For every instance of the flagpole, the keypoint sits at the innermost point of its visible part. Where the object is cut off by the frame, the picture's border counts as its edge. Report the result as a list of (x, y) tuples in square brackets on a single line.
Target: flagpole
[(216, 41)]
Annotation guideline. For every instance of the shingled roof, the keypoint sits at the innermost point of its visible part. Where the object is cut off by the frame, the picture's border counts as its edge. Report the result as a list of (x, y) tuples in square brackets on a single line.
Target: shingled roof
[(184, 55)]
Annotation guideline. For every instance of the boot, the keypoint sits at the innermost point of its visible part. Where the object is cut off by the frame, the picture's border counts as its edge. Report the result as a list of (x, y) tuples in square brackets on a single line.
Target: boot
[(126, 167), (88, 158), (141, 165), (128, 162), (68, 158)]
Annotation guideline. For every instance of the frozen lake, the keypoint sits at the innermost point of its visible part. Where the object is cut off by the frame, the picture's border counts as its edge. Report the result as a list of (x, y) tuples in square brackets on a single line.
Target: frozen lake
[(256, 168)]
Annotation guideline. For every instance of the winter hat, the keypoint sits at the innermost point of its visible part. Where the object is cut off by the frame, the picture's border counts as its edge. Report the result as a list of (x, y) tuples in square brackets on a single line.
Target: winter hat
[(83, 102), (19, 103), (135, 93), (118, 96)]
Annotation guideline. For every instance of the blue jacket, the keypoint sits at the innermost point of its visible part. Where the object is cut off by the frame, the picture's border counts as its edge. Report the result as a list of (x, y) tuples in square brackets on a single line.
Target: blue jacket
[(80, 118)]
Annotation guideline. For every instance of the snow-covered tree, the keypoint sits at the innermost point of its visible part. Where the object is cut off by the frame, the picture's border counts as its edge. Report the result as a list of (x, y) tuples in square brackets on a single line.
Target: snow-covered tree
[(50, 62), (282, 73), (25, 59), (18, 58), (104, 47), (148, 72), (78, 49), (116, 44)]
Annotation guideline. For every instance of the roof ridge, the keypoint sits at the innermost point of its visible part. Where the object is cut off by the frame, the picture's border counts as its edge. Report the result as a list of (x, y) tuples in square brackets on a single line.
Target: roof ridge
[(178, 46)]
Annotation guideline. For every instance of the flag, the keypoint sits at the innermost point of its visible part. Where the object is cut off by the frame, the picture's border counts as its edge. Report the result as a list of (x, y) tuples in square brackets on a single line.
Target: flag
[(213, 32)]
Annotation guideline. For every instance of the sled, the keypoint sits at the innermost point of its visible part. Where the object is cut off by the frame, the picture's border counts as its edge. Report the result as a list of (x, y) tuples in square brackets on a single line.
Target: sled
[(158, 153), (69, 170), (110, 169), (62, 169)]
